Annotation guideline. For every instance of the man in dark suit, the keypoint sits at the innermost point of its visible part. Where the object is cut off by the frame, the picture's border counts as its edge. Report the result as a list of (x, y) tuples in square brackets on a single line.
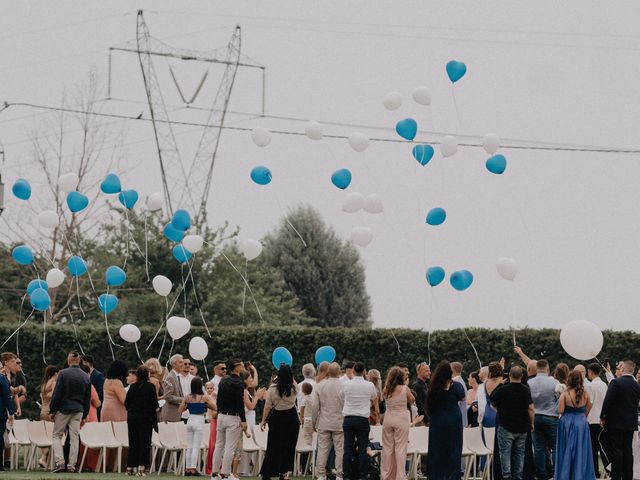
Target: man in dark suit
[(96, 377), (619, 417)]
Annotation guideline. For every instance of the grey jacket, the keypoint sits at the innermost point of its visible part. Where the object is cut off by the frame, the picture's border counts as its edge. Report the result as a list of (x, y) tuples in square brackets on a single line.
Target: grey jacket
[(327, 405), (173, 398)]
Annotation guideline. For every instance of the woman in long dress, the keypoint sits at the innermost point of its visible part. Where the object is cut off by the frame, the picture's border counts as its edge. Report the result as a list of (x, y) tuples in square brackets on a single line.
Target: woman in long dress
[(574, 458), (445, 431), (46, 391), (395, 430), (113, 409)]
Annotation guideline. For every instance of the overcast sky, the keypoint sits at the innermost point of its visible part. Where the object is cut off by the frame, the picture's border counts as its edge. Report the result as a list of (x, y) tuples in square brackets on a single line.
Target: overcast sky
[(538, 72)]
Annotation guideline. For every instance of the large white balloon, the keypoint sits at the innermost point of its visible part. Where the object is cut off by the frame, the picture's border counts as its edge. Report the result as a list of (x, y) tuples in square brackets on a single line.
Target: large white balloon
[(198, 348), (361, 236), (130, 333), (422, 95), (313, 130), (193, 243), (178, 327), (392, 100), (261, 136), (68, 182), (48, 219), (358, 141), (491, 143), (55, 277), (251, 248), (155, 201), (373, 203), (353, 202), (581, 339), (162, 285), (448, 146), (507, 268)]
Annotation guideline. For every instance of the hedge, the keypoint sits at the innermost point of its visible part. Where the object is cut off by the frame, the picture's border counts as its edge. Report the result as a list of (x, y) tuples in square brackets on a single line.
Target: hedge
[(378, 348)]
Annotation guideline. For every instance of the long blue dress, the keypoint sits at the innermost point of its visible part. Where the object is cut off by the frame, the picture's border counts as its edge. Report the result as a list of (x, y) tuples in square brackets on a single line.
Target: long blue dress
[(445, 436), (574, 459)]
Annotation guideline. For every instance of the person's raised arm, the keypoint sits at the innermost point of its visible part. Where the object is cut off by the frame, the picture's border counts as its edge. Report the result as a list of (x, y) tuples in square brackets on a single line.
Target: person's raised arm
[(525, 359)]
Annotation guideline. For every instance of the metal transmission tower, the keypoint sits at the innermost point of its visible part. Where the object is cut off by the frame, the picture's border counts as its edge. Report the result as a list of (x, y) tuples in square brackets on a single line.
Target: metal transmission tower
[(186, 187)]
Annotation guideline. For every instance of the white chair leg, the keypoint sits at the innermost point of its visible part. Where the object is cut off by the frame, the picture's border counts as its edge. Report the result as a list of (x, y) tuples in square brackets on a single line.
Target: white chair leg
[(119, 459), (84, 455)]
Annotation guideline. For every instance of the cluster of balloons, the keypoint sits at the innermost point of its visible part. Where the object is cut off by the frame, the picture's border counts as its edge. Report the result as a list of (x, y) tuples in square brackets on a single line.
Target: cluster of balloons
[(460, 280), (282, 356), (355, 202), (176, 231)]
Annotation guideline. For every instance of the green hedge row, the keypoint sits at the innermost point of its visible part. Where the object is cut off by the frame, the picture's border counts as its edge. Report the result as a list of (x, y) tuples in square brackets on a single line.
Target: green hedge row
[(378, 348)]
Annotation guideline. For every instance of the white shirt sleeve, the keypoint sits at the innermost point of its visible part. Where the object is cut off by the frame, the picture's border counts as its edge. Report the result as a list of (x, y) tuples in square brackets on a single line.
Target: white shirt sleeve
[(482, 402)]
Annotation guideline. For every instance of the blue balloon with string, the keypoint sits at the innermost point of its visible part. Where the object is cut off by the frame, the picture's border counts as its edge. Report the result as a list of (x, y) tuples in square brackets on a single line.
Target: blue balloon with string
[(107, 303), (436, 216), (77, 201), (22, 255), (22, 189), (435, 276), (325, 354), (128, 198), (261, 175), (77, 266), (172, 233), (111, 184), (37, 283), (497, 164), (407, 128), (40, 299), (181, 220), (341, 178), (182, 254), (456, 70), (461, 280), (115, 276), (281, 356), (422, 153)]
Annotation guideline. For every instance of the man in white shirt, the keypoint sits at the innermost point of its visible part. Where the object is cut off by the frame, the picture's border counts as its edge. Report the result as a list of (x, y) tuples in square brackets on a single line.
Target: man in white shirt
[(185, 378), (456, 367), (309, 373), (597, 390), (359, 397), (219, 371), (347, 365)]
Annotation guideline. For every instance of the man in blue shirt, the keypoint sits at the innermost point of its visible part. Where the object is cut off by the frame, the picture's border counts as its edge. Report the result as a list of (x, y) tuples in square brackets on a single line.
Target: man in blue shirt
[(545, 404)]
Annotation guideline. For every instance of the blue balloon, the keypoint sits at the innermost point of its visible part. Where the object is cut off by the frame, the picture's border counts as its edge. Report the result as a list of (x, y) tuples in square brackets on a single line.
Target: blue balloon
[(181, 220), (422, 153), (107, 303), (115, 276), (22, 189), (182, 254), (281, 355), (436, 216), (23, 255), (40, 299), (77, 266), (128, 198), (325, 354), (407, 128), (497, 164), (173, 233), (33, 284), (461, 280), (435, 276), (341, 178), (456, 70), (77, 201), (261, 175), (111, 184)]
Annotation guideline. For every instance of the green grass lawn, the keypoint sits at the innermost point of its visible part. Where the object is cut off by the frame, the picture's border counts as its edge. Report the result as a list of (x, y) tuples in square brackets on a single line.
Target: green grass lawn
[(37, 475)]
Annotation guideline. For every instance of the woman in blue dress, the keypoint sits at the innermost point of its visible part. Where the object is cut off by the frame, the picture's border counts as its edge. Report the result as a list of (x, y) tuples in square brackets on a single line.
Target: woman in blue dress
[(445, 425), (574, 459)]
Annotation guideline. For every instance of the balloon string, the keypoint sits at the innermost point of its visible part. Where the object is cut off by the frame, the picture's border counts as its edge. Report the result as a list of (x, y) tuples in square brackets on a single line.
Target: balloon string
[(206, 372), (474, 348), (288, 222), (15, 332), (455, 104), (75, 332), (170, 351), (44, 254), (78, 292), (126, 246), (246, 283), (195, 294), (244, 290), (44, 336), (138, 352), (111, 342), (394, 337), (146, 249), (162, 346), (184, 290), (166, 316)]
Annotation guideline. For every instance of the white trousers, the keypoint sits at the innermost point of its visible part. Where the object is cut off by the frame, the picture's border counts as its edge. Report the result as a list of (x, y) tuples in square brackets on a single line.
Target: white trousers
[(194, 440)]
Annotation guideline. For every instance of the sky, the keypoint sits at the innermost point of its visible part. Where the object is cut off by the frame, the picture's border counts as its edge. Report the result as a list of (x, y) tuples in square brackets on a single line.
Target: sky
[(539, 74)]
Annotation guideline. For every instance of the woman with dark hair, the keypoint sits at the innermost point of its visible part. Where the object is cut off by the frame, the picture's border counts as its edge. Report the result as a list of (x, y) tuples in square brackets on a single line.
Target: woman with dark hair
[(486, 412), (280, 413), (46, 391), (561, 373), (472, 398), (445, 432), (397, 421), (113, 409), (141, 403), (573, 454)]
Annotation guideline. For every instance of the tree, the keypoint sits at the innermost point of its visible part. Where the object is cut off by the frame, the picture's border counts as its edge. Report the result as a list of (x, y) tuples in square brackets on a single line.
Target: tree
[(326, 274)]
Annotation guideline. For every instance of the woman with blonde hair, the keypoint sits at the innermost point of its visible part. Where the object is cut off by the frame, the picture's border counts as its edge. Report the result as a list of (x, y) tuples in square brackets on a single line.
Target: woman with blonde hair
[(397, 421), (375, 377), (155, 374), (323, 371)]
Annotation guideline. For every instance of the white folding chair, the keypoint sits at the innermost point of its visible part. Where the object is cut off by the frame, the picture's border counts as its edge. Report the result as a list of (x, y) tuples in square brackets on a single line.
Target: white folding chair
[(204, 446), (170, 441), (249, 446), (99, 436), (121, 433), (418, 446), (304, 448), (468, 455), (489, 441), (477, 446), (155, 447), (18, 438), (39, 438)]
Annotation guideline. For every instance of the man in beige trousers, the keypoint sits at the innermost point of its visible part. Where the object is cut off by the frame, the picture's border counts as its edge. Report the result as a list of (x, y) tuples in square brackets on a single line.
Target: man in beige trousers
[(327, 419)]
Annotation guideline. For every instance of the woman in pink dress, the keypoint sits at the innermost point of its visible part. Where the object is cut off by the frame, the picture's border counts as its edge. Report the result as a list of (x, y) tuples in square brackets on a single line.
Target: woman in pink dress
[(213, 425), (113, 409), (92, 455), (397, 421)]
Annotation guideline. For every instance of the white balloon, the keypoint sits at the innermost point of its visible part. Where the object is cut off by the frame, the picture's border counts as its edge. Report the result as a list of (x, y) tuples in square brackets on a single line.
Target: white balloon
[(361, 236), (392, 100), (448, 146), (491, 143), (507, 268), (353, 202), (251, 248), (581, 339), (155, 201), (358, 141), (198, 348), (162, 285), (129, 333), (422, 95), (261, 136), (373, 203), (48, 219), (68, 182), (55, 277), (178, 327), (193, 243), (313, 130)]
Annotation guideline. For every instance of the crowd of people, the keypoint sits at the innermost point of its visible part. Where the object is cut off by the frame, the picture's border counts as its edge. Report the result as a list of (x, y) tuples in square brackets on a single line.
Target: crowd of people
[(565, 425)]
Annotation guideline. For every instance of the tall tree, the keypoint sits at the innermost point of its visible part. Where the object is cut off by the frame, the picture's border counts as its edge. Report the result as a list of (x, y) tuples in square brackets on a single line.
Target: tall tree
[(324, 271)]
